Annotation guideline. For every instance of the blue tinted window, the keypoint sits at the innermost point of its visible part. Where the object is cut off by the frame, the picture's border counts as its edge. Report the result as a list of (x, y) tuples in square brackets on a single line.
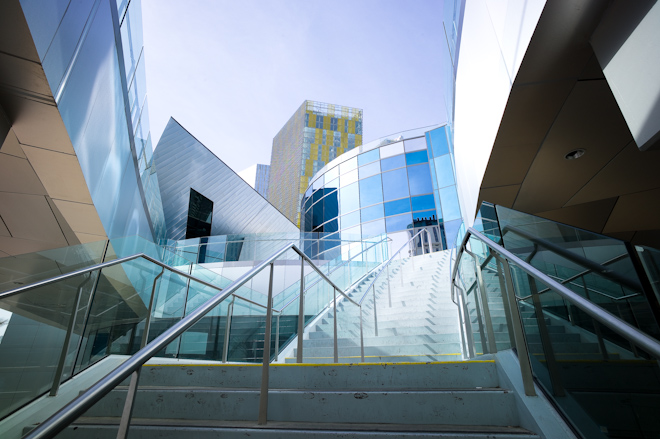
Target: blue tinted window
[(398, 161), (330, 206), (369, 170), (372, 212), (373, 228), (443, 171), (417, 157), (397, 207), (350, 220), (450, 231), (419, 178), (395, 184), (449, 201), (371, 191), (439, 142), (331, 226), (317, 215), (399, 222), (424, 202), (368, 157), (349, 198)]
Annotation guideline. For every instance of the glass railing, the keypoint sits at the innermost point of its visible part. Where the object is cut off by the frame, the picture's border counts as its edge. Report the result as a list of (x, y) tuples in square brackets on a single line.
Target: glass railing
[(133, 308), (597, 364), (57, 329)]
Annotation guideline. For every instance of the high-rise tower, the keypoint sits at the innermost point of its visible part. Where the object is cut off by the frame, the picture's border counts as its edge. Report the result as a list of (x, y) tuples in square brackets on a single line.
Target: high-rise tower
[(315, 134)]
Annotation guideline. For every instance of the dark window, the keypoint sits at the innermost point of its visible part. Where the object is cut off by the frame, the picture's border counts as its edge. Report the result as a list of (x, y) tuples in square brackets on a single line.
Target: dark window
[(319, 121), (333, 123), (200, 215)]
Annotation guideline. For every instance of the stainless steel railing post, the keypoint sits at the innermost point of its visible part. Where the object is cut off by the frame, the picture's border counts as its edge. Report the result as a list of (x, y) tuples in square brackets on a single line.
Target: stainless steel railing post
[(277, 337), (518, 332), (263, 396), (301, 312), (546, 343), (505, 299), (361, 337), (375, 313), (126, 414), (492, 345), (57, 379), (225, 346), (334, 320)]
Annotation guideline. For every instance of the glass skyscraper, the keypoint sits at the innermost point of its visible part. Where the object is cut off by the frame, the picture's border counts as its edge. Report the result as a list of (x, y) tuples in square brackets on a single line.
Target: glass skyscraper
[(316, 134)]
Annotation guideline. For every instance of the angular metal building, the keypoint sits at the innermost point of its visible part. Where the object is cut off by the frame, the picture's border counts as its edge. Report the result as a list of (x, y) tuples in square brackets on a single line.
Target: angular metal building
[(190, 173)]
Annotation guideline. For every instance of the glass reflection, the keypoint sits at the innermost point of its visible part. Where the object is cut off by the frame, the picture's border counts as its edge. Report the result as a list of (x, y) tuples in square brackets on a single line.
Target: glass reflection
[(368, 157), (373, 228), (348, 165), (443, 171), (397, 207), (371, 191), (395, 184), (393, 163), (416, 144), (439, 144), (391, 149), (350, 219), (372, 212), (419, 178), (424, 202), (369, 170), (417, 157), (348, 178), (399, 222), (349, 198), (449, 201)]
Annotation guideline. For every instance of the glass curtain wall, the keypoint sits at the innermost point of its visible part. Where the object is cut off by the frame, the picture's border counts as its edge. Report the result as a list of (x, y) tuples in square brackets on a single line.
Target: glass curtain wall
[(389, 186)]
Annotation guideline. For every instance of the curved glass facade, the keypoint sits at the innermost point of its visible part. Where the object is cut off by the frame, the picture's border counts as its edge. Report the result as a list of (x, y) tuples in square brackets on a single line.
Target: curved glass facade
[(386, 186)]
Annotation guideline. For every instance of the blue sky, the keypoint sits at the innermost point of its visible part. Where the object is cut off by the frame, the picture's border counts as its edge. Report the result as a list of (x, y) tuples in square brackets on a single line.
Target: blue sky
[(233, 72)]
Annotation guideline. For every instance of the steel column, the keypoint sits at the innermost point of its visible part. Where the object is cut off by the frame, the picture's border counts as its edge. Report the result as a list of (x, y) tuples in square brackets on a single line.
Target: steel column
[(334, 320)]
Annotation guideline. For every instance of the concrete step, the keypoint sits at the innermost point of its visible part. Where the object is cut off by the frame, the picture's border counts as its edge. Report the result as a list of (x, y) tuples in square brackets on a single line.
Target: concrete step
[(327, 332), (385, 349), (385, 341), (396, 359)]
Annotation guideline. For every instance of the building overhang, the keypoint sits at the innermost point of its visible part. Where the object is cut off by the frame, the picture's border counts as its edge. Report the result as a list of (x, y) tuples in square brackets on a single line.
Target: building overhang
[(561, 102)]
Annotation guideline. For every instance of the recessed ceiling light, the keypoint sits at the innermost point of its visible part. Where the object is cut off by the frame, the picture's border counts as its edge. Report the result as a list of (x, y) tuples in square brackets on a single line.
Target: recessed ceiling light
[(575, 154)]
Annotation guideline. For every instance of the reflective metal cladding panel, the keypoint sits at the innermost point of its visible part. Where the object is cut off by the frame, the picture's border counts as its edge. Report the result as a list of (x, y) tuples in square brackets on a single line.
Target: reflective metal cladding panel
[(183, 163)]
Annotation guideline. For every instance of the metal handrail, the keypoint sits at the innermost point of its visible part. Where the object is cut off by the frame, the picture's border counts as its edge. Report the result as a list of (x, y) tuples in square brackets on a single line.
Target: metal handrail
[(317, 281), (86, 400), (386, 263), (573, 257), (614, 323)]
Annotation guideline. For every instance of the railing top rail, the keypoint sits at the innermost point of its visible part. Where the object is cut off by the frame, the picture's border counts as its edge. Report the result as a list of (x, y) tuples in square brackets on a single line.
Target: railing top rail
[(575, 258), (100, 266), (384, 264), (599, 314)]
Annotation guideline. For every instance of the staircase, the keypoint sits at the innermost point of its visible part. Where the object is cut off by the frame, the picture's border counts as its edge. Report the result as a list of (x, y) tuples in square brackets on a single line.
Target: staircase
[(434, 400), (415, 321)]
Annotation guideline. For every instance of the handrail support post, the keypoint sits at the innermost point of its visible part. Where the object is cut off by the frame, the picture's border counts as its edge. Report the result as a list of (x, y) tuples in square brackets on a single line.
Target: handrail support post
[(263, 396)]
